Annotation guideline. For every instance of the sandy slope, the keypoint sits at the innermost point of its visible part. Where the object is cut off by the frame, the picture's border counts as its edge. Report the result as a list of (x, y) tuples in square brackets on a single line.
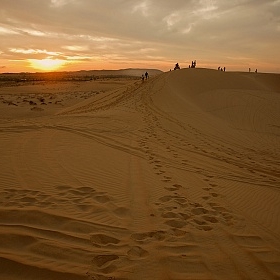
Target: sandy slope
[(174, 178)]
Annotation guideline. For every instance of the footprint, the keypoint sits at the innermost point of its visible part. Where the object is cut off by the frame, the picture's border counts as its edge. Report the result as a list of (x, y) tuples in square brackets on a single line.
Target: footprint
[(137, 252), (178, 232), (176, 223), (199, 211), (166, 180), (101, 260), (169, 215), (214, 194), (165, 198), (206, 228), (199, 222), (185, 216), (171, 188), (157, 235), (218, 208), (210, 219), (177, 186), (180, 200), (102, 239)]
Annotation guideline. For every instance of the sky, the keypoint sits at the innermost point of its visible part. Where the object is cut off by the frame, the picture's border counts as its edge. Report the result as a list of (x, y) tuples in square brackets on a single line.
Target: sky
[(70, 35)]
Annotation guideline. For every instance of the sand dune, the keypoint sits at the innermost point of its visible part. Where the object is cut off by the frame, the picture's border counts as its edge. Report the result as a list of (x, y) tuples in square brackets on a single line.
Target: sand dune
[(174, 178)]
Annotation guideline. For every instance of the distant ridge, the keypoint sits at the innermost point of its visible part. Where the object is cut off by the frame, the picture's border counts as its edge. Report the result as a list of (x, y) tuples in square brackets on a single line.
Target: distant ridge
[(119, 72), (122, 72)]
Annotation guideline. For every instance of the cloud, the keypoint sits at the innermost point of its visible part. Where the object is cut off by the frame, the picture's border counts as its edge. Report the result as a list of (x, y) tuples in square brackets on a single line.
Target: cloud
[(143, 7), (7, 31), (76, 48), (33, 51), (32, 32)]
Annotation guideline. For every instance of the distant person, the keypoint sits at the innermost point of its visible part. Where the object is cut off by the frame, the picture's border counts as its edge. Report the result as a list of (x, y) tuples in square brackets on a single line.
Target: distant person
[(142, 78), (176, 66), (146, 75), (219, 68), (256, 71), (224, 69), (249, 70)]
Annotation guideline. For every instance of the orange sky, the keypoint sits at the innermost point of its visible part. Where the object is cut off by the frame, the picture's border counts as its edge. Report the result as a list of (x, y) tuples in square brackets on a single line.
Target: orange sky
[(70, 35)]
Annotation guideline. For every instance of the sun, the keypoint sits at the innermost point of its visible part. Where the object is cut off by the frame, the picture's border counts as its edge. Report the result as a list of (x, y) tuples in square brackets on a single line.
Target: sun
[(47, 64)]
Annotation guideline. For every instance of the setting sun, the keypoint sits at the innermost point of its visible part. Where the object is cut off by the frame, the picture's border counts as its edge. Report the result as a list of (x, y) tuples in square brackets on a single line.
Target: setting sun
[(46, 64)]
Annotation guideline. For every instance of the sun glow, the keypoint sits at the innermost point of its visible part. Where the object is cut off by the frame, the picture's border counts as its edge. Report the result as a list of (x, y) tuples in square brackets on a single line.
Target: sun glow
[(47, 64)]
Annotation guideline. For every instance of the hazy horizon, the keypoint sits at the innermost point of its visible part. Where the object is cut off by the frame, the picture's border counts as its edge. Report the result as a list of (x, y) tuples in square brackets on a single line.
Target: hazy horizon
[(61, 35)]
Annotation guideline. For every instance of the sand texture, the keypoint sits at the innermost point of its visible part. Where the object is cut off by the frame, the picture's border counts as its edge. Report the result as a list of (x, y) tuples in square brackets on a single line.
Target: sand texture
[(177, 177)]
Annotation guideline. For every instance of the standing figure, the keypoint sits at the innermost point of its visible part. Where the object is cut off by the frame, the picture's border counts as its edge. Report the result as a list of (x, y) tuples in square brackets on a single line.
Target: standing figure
[(146, 75)]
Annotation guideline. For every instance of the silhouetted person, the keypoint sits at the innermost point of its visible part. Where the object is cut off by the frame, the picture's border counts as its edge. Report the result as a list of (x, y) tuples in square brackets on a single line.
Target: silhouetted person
[(142, 78), (249, 70), (176, 66), (219, 68), (256, 71), (146, 75), (224, 69)]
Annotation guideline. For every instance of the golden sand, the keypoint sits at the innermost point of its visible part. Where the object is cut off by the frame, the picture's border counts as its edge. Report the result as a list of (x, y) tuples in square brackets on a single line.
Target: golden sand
[(176, 177)]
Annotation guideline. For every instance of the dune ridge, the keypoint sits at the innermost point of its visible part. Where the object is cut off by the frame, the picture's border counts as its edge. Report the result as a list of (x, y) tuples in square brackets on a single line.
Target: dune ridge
[(176, 177)]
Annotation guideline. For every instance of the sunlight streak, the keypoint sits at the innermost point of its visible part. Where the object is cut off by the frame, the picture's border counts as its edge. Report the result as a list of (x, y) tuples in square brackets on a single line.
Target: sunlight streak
[(47, 64)]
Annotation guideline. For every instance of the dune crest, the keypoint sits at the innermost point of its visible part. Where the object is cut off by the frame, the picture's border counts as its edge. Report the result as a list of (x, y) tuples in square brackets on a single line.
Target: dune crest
[(176, 177)]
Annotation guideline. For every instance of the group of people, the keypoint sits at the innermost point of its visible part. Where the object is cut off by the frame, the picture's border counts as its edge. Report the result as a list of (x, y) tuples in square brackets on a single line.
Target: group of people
[(221, 68), (146, 75), (193, 64), (190, 66)]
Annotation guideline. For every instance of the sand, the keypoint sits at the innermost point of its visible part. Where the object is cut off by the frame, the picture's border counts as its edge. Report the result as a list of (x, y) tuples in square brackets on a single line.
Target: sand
[(174, 178)]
